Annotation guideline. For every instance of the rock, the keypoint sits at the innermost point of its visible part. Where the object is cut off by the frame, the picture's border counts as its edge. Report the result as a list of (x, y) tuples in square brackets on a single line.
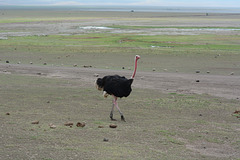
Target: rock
[(68, 124), (105, 140), (96, 75), (113, 126), (154, 69), (232, 73), (80, 124), (35, 122), (87, 66), (52, 126)]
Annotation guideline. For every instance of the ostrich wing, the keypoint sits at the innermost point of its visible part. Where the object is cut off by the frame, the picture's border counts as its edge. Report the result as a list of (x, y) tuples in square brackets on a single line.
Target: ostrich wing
[(118, 86)]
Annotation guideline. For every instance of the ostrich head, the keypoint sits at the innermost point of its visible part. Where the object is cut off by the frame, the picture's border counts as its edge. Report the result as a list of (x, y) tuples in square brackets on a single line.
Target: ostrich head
[(137, 57), (99, 84)]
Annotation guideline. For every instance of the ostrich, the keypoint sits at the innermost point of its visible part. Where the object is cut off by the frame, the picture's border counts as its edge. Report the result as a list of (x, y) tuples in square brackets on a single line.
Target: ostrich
[(117, 86)]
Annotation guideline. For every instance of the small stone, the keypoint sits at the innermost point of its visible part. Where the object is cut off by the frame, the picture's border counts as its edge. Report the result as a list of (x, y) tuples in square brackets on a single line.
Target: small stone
[(200, 114), (75, 65), (105, 140), (197, 71), (31, 62), (154, 69), (68, 124), (52, 126), (35, 122), (8, 113), (80, 124), (96, 75), (197, 80), (232, 73), (7, 61)]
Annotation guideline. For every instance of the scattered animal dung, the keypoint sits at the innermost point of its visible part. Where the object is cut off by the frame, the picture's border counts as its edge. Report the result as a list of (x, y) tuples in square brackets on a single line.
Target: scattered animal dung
[(123, 67), (80, 124), (105, 140), (8, 113), (113, 126), (197, 80), (208, 71), (197, 71), (7, 61), (35, 122), (68, 124)]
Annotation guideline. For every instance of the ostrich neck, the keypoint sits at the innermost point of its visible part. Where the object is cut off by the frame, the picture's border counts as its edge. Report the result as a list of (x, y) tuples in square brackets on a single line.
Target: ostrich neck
[(135, 69)]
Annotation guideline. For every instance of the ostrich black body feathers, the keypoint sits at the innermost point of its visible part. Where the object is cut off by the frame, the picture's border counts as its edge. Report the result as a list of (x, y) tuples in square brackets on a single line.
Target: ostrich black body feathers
[(115, 85)]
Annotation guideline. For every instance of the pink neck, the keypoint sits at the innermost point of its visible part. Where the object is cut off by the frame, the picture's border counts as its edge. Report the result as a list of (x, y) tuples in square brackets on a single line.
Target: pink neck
[(135, 69)]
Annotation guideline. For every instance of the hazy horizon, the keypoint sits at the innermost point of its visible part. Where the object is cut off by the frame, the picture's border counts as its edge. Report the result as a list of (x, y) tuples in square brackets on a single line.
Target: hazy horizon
[(164, 3)]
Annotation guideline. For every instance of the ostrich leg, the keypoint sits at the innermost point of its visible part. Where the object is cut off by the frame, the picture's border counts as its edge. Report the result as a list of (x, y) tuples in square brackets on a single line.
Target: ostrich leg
[(116, 104), (111, 113)]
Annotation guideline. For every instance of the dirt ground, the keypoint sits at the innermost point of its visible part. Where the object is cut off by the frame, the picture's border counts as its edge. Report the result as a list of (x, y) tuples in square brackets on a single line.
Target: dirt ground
[(215, 85), (169, 115)]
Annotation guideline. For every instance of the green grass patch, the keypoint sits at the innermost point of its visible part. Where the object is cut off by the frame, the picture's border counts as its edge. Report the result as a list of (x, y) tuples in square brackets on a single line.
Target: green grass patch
[(162, 27)]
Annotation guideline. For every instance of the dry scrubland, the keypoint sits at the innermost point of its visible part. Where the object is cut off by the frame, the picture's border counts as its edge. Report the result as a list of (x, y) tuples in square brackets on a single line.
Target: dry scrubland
[(53, 56)]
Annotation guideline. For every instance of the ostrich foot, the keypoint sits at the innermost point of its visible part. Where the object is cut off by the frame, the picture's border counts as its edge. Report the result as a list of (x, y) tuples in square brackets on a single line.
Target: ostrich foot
[(122, 118), (112, 119), (111, 116)]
